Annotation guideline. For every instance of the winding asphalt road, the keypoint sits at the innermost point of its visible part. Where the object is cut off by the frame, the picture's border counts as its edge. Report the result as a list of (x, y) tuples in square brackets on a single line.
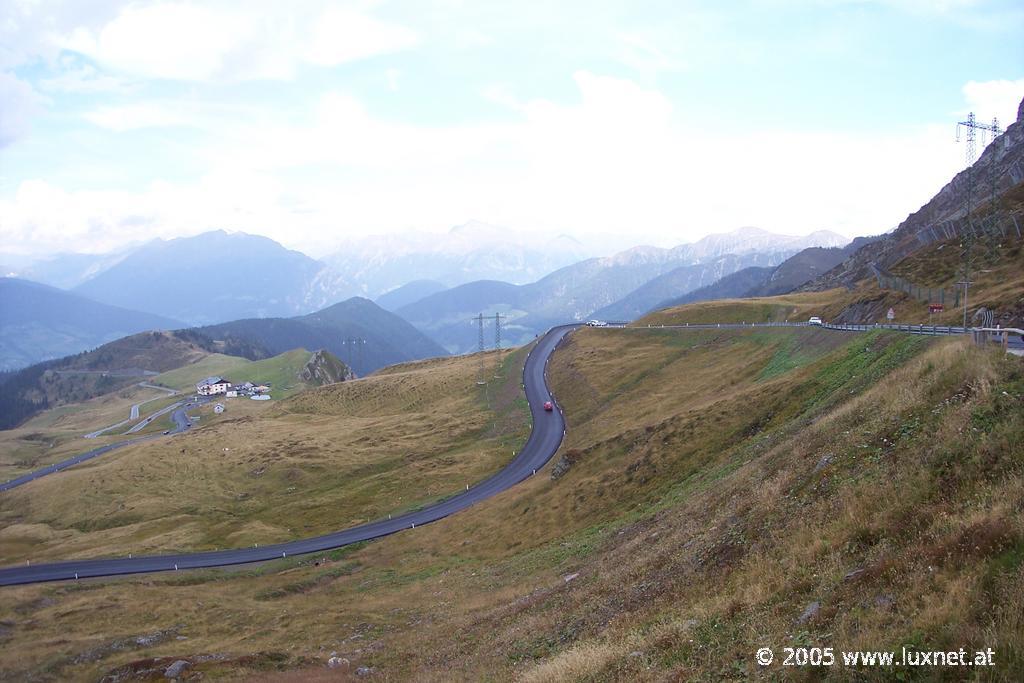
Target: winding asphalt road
[(544, 440), (181, 423)]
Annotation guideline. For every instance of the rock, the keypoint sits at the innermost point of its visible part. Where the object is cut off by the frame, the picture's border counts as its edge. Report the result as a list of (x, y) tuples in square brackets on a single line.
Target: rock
[(854, 575), (364, 671), (337, 663), (561, 467), (324, 368), (885, 602), (636, 653), (177, 668), (570, 577), (810, 613), (823, 463)]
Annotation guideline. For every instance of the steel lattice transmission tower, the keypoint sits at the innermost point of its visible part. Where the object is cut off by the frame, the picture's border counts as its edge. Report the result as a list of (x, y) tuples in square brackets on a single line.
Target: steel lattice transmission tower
[(972, 126), (355, 344)]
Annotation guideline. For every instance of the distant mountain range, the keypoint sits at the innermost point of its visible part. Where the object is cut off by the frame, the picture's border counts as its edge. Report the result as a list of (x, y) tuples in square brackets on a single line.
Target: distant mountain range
[(409, 293), (797, 270), (39, 322), (377, 264), (622, 286), (358, 331), (228, 282), (214, 277), (684, 279)]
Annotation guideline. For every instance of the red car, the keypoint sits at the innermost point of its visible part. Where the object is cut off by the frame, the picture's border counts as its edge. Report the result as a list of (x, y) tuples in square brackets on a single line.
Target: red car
[(548, 406)]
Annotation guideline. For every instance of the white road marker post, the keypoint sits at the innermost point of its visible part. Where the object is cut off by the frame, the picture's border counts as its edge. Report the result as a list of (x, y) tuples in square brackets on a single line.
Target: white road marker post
[(414, 525), (175, 567)]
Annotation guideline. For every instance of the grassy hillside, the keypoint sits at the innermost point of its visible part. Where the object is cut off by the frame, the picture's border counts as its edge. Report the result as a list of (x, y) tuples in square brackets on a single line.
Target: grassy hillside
[(56, 433), (788, 308), (713, 486), (103, 370), (281, 372), (39, 322), (324, 459), (387, 338)]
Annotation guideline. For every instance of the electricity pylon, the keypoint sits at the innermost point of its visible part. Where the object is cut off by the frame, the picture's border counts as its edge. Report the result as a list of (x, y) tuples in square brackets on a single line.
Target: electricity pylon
[(971, 126)]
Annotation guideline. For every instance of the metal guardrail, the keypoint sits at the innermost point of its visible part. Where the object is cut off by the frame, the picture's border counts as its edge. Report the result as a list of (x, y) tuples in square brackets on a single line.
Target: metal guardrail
[(981, 335), (912, 329)]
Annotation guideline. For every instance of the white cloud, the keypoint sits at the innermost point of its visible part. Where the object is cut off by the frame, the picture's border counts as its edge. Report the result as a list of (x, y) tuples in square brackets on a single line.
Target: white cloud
[(344, 35), (142, 115), (620, 160), (219, 41), (20, 103), (80, 77), (998, 99)]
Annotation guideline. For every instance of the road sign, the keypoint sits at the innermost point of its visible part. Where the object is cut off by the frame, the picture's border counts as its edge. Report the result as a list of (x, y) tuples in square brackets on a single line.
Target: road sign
[(891, 315), (935, 308)]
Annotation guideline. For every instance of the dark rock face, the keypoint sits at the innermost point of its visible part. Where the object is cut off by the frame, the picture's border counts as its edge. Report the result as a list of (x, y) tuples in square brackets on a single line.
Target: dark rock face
[(568, 459), (323, 368), (942, 217)]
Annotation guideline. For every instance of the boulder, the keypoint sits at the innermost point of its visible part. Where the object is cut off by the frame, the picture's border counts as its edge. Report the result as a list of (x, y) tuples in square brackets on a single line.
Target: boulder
[(809, 613), (177, 668)]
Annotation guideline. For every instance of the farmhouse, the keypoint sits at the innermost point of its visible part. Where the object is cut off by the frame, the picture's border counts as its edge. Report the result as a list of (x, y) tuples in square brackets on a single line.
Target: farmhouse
[(212, 386)]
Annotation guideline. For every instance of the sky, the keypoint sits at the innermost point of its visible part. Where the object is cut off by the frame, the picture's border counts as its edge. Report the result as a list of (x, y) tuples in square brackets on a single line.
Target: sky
[(315, 122)]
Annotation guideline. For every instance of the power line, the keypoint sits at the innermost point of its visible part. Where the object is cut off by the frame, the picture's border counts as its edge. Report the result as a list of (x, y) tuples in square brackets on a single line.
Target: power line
[(497, 341), (480, 348), (972, 126), (354, 345)]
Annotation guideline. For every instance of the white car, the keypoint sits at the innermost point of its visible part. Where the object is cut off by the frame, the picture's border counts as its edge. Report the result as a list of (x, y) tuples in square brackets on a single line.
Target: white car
[(815, 320), (596, 323)]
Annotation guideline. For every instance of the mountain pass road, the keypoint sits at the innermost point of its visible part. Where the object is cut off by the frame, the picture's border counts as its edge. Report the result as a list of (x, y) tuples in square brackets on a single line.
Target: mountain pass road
[(181, 423), (544, 440)]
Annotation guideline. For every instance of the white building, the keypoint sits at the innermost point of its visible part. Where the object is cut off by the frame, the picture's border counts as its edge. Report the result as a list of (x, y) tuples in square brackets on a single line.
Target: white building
[(212, 386)]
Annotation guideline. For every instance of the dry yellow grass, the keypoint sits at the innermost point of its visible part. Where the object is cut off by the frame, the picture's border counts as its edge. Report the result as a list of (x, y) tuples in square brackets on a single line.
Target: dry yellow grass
[(57, 433), (703, 512), (266, 472)]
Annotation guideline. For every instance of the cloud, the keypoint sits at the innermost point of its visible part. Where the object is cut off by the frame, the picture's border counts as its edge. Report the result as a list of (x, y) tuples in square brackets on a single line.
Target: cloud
[(620, 159), (20, 103), (998, 99), (218, 41), (77, 76), (344, 35), (142, 115)]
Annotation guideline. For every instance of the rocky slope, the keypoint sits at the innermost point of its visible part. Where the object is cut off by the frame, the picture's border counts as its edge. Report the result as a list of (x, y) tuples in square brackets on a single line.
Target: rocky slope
[(323, 368), (943, 216)]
